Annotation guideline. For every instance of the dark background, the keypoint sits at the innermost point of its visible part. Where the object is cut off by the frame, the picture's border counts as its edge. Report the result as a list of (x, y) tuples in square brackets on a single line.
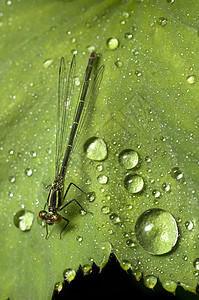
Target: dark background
[(113, 281)]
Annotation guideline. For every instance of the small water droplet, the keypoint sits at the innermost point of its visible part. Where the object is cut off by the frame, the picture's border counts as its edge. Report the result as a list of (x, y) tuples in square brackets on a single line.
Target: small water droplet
[(162, 21), (95, 149), (133, 183), (58, 287), (128, 159), (191, 79), (69, 275), (150, 281), (138, 73), (119, 63), (112, 43), (156, 231), (11, 151), (105, 210), (102, 179), (166, 187), (115, 218), (23, 219), (79, 238), (99, 168), (87, 269), (176, 173), (33, 154), (28, 172), (156, 193), (170, 1), (128, 36), (130, 243), (188, 225), (91, 196), (147, 159), (12, 179), (196, 264), (47, 63)]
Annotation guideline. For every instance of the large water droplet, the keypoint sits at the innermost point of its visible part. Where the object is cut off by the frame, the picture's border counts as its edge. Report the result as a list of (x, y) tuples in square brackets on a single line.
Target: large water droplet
[(69, 275), (23, 219), (150, 281), (156, 231), (112, 43), (95, 149), (191, 79), (133, 183), (128, 159)]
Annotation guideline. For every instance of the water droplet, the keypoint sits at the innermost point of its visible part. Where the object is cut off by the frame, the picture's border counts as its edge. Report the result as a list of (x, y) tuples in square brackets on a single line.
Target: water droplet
[(95, 149), (162, 21), (176, 173), (112, 43), (11, 151), (58, 287), (169, 285), (128, 36), (147, 159), (156, 193), (115, 218), (156, 231), (150, 281), (99, 168), (47, 63), (102, 179), (191, 79), (128, 159), (90, 196), (28, 172), (126, 265), (119, 64), (170, 1), (196, 264), (133, 183), (130, 243), (138, 73), (188, 225), (33, 154), (23, 219), (105, 210), (69, 275), (166, 187), (87, 269), (79, 238), (12, 179)]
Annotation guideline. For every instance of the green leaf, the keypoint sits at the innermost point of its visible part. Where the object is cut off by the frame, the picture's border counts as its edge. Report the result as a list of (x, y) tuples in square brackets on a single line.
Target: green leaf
[(145, 207)]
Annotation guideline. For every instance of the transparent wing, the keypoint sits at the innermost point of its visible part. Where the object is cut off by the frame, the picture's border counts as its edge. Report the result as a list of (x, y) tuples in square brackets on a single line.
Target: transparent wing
[(65, 92)]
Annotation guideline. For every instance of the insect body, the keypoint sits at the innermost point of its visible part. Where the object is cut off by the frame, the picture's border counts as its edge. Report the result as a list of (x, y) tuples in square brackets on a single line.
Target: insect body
[(56, 194)]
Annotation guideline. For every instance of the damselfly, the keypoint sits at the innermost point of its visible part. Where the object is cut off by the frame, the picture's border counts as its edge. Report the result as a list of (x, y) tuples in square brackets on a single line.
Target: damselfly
[(56, 194)]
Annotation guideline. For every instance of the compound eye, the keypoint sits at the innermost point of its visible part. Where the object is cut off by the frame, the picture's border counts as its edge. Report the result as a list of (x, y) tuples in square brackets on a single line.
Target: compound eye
[(42, 214), (57, 218)]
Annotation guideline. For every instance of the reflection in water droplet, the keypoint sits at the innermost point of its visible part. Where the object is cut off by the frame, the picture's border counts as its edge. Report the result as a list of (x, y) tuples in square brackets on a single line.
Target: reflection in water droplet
[(102, 179), (95, 149), (23, 219), (69, 275), (133, 183), (112, 43), (191, 79), (128, 159), (156, 231)]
